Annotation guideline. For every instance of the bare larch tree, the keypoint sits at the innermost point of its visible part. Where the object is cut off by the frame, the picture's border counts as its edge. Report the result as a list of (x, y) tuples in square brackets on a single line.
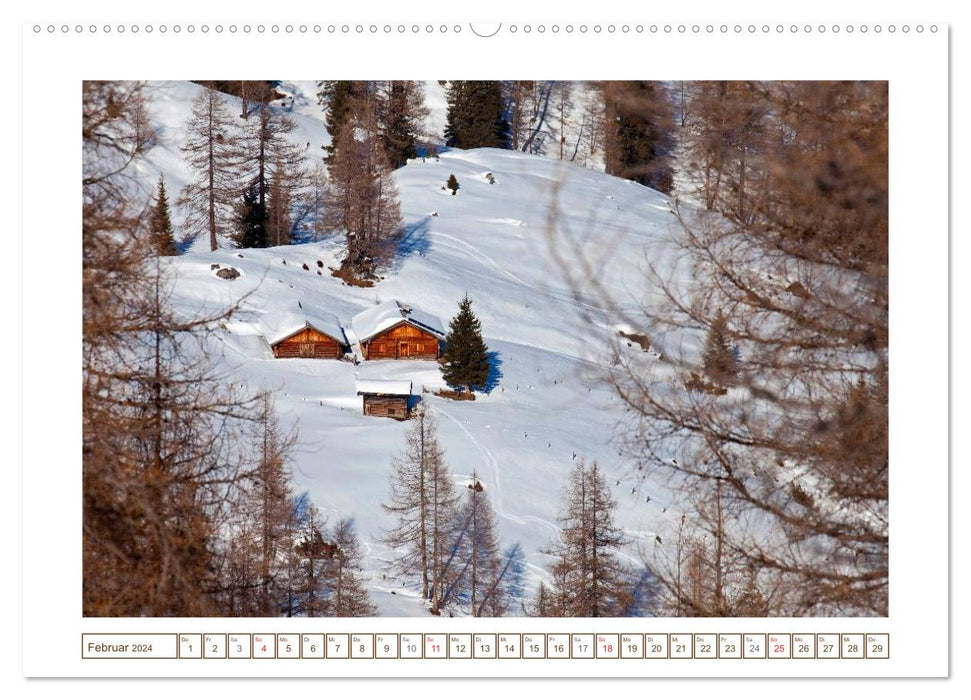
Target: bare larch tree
[(212, 153), (775, 428)]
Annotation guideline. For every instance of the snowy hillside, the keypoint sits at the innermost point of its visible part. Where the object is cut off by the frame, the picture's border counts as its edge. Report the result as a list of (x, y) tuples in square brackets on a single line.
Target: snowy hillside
[(500, 243), (171, 107)]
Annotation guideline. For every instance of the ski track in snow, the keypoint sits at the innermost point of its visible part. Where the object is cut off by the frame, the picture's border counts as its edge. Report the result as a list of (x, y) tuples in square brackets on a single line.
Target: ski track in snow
[(478, 253), (496, 486), (559, 296)]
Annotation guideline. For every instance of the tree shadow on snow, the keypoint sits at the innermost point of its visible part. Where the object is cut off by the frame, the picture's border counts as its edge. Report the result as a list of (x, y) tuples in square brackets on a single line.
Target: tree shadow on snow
[(414, 241), (429, 151), (302, 236), (495, 372), (182, 245)]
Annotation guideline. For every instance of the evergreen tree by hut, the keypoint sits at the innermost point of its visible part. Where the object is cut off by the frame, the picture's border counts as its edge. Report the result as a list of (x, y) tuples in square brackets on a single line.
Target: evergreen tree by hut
[(466, 357)]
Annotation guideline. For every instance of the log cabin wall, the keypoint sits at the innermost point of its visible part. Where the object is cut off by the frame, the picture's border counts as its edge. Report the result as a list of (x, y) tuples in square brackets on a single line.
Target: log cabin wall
[(386, 406), (309, 343), (402, 342)]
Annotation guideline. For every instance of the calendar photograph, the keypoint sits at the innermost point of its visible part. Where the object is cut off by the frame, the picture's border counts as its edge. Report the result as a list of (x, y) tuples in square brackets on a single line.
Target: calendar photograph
[(485, 348)]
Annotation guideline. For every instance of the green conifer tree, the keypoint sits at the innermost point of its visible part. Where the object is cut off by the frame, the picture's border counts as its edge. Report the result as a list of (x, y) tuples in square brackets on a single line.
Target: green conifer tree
[(401, 114), (638, 133), (160, 224), (336, 96), (452, 183), (252, 220), (476, 115), (466, 357)]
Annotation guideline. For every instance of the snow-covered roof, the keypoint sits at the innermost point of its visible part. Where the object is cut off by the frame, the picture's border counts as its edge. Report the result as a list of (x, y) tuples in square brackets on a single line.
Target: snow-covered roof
[(369, 323), (280, 325), (394, 387)]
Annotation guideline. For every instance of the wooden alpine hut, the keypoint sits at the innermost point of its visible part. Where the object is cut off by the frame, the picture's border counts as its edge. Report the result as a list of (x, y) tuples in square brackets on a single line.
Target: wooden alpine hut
[(386, 397), (395, 330), (305, 332)]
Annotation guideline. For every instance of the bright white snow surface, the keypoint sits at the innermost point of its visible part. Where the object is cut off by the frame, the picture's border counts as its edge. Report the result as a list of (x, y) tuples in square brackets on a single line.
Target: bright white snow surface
[(389, 314), (508, 246), (387, 387)]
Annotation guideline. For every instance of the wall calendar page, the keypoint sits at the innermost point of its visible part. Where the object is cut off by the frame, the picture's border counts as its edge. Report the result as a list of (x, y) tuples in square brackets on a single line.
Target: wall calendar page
[(460, 349)]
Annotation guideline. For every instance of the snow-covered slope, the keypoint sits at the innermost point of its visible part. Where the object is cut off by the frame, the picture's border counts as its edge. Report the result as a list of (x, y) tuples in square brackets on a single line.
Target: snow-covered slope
[(504, 244), (170, 108)]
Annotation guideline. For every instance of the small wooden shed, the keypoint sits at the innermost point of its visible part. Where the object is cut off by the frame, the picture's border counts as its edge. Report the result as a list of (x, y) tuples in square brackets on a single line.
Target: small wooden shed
[(386, 397), (396, 330), (305, 332)]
